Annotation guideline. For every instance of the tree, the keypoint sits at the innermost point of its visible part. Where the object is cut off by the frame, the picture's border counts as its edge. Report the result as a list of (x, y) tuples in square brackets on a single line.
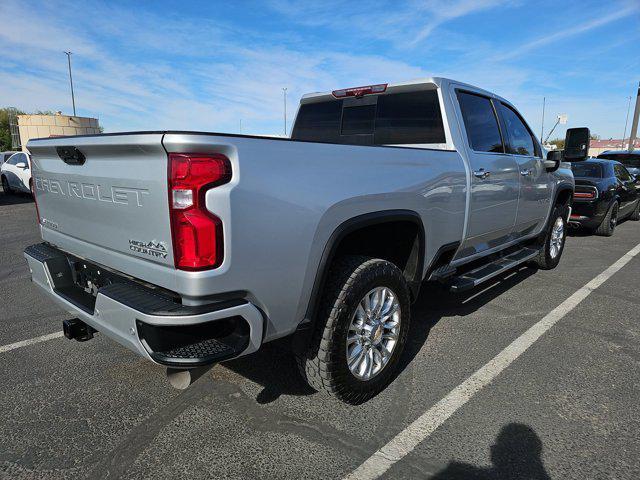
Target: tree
[(558, 142), (5, 132), (594, 136)]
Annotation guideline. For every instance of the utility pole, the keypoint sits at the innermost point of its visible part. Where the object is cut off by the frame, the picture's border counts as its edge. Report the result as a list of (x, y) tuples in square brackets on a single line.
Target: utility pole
[(73, 98), (284, 93), (240, 125), (626, 122), (544, 101), (634, 123)]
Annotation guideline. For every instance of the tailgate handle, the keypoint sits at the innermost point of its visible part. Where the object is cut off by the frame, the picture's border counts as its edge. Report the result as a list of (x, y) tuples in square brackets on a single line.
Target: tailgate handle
[(71, 155)]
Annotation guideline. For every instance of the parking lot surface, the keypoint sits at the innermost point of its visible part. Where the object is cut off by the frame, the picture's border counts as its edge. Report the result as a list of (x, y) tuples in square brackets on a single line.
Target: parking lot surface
[(565, 408)]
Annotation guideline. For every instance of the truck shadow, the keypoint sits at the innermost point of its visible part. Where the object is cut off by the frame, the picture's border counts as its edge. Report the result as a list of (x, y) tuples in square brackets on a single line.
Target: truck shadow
[(275, 369), (516, 454), (14, 198)]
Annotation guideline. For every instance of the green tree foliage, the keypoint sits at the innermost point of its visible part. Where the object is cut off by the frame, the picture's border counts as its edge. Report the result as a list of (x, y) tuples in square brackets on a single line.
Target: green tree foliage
[(558, 142), (5, 133)]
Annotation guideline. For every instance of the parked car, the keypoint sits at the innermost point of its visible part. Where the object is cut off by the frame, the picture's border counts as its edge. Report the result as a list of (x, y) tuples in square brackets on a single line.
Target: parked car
[(631, 160), (192, 248), (15, 173), (4, 156), (606, 192)]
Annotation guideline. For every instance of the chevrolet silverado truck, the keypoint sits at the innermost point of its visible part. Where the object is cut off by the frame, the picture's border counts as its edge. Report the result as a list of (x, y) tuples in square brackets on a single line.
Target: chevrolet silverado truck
[(193, 248)]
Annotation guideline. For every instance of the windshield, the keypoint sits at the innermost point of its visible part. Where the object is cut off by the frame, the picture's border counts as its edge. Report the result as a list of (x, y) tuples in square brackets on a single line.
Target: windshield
[(388, 119), (585, 169), (627, 159)]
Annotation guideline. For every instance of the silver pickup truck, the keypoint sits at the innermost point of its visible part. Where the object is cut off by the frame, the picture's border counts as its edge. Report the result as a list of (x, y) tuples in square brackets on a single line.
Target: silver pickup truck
[(193, 248)]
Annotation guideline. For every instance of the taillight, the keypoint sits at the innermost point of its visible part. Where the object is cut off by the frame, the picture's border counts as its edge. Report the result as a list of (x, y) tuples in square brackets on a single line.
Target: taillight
[(590, 195), (360, 91), (196, 232)]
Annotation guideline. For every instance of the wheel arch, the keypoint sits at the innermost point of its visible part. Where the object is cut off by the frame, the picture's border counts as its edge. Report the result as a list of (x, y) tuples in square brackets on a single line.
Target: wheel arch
[(413, 268)]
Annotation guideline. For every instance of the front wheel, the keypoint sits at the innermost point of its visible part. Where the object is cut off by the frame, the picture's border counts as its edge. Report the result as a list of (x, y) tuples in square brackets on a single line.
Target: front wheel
[(361, 329), (553, 244)]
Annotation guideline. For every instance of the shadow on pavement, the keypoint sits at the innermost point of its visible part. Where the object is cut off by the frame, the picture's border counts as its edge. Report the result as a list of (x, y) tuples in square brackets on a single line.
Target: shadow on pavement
[(14, 198), (275, 368), (516, 454)]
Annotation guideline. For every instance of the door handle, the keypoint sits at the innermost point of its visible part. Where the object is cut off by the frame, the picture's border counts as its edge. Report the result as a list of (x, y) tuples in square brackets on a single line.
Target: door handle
[(481, 174), (526, 172)]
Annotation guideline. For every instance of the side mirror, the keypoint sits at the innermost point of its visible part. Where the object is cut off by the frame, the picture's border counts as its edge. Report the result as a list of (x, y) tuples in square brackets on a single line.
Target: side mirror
[(21, 165), (552, 163), (576, 144)]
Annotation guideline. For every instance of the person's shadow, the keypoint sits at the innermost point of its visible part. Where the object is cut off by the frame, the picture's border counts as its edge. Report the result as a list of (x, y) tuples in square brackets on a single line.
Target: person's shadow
[(516, 454)]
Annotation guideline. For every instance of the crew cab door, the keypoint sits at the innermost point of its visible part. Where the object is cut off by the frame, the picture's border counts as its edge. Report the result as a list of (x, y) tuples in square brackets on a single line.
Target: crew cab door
[(535, 182), (494, 176)]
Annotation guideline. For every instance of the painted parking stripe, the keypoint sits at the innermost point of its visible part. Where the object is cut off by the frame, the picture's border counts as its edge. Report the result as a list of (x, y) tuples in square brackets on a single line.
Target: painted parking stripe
[(404, 443), (30, 341)]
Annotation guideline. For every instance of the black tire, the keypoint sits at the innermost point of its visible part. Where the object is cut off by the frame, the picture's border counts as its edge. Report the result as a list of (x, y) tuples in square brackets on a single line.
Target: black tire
[(548, 258), (324, 366), (610, 221), (5, 186), (635, 215)]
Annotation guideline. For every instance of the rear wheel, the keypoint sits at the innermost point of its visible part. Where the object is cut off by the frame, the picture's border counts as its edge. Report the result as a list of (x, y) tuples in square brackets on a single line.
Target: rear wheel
[(361, 330), (610, 222), (553, 243), (5, 186)]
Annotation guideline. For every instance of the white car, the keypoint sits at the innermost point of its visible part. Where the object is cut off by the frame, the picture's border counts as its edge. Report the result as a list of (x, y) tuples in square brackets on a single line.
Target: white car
[(15, 173)]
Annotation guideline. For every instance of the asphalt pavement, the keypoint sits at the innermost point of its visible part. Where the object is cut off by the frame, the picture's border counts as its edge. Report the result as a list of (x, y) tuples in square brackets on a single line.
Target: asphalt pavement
[(566, 408)]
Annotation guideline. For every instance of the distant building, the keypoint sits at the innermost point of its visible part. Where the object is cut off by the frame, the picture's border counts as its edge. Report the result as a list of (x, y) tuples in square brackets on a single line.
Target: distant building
[(44, 126), (596, 147)]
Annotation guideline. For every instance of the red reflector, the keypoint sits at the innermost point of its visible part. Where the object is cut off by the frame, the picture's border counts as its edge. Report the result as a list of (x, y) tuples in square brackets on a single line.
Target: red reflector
[(360, 91), (584, 195), (196, 232)]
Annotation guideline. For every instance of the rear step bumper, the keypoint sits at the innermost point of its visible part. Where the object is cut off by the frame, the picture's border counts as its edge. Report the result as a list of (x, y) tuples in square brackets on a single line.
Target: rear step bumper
[(147, 321)]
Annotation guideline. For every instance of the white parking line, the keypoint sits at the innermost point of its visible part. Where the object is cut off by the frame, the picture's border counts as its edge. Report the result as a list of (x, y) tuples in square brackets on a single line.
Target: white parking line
[(403, 443), (31, 341)]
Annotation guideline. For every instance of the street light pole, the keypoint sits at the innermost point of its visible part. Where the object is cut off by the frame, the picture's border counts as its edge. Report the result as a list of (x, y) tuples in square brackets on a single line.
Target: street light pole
[(544, 102), (284, 93), (626, 122), (73, 99)]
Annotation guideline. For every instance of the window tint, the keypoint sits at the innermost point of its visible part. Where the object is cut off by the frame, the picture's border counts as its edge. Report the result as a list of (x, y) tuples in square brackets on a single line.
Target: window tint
[(480, 123), (358, 120), (409, 118), (14, 159), (390, 119), (586, 169), (318, 122), (622, 173), (627, 159), (520, 139)]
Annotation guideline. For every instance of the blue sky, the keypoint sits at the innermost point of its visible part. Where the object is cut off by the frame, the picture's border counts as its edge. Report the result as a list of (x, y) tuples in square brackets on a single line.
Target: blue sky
[(207, 65)]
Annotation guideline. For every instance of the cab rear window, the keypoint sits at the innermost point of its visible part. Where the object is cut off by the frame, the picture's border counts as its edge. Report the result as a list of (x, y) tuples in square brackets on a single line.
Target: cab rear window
[(388, 119)]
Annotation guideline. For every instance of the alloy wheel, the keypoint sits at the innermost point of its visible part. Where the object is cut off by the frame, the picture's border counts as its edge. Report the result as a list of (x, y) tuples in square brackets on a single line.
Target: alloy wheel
[(557, 238), (373, 333)]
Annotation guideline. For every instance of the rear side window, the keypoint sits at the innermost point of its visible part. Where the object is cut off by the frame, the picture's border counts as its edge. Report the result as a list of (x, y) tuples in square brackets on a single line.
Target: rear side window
[(520, 138), (390, 119), (480, 122), (622, 173), (409, 118)]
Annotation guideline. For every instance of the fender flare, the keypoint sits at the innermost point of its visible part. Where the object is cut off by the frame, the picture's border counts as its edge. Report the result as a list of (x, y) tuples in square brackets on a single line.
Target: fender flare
[(304, 332)]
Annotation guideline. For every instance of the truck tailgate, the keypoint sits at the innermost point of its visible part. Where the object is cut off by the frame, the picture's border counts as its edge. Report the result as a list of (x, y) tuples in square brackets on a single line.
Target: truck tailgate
[(116, 198)]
